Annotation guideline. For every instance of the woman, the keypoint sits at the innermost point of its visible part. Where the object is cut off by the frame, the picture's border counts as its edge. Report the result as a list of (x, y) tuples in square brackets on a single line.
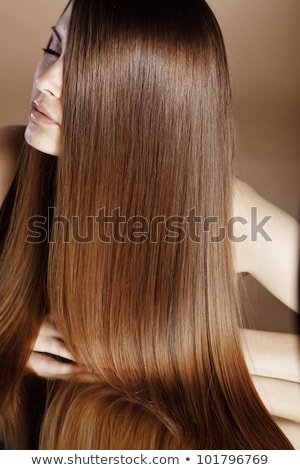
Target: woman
[(117, 256)]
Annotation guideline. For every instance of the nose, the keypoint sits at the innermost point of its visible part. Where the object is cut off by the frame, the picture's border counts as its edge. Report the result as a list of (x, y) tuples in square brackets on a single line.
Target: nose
[(50, 80)]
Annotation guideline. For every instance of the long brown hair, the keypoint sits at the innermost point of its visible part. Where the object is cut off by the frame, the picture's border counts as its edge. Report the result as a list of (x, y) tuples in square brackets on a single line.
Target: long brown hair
[(147, 136)]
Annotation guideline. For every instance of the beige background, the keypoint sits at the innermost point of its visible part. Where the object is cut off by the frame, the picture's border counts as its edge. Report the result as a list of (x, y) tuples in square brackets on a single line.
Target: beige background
[(262, 39)]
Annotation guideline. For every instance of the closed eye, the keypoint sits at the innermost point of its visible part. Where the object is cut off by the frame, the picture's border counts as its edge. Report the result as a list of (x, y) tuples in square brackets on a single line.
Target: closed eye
[(54, 45), (47, 50)]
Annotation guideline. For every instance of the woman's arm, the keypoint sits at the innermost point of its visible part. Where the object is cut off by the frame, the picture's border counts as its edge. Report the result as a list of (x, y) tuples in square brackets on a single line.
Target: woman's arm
[(270, 247), (270, 253)]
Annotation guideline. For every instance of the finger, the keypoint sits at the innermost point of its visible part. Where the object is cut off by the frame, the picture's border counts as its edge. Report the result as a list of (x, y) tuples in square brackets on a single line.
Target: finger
[(87, 377), (50, 345), (281, 397), (47, 367), (49, 329)]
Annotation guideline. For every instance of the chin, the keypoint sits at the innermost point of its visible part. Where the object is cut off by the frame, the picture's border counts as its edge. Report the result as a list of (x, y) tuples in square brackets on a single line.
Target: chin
[(44, 140)]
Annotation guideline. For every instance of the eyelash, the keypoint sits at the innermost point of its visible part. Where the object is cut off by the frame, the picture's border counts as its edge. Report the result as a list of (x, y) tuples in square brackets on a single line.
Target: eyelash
[(47, 50)]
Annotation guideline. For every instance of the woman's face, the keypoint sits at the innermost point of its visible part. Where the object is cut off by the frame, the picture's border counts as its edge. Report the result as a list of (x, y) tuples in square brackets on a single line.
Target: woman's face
[(43, 130)]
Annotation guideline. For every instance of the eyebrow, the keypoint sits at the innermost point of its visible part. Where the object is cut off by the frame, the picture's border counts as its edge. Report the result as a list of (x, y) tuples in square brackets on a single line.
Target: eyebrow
[(56, 33)]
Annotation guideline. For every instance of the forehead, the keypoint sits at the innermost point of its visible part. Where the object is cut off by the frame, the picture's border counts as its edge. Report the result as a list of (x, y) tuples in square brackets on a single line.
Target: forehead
[(62, 24)]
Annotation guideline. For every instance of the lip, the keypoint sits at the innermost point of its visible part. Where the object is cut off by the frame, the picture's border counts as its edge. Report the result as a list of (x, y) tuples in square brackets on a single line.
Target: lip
[(39, 113)]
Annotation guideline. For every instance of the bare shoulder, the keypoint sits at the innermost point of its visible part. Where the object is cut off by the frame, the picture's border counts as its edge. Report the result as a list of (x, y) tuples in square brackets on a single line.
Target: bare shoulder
[(11, 139)]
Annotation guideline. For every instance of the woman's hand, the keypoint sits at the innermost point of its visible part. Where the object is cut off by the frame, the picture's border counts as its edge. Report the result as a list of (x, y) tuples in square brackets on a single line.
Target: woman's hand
[(51, 359), (273, 362)]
